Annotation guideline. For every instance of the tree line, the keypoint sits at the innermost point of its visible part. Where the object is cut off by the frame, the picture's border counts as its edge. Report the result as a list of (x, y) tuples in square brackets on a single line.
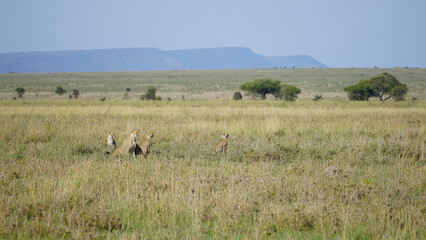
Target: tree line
[(383, 86), (150, 93), (20, 91)]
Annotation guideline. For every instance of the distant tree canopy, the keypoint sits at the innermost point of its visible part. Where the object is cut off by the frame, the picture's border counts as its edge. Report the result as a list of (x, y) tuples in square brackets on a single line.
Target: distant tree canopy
[(127, 89), (383, 86), (261, 87), (60, 90), (20, 92)]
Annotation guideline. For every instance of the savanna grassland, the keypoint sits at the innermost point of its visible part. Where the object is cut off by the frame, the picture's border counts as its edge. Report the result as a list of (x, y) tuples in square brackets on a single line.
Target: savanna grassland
[(298, 170), (203, 84)]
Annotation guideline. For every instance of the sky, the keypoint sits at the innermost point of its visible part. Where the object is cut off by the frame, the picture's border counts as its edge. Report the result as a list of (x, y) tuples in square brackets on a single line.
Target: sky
[(338, 33)]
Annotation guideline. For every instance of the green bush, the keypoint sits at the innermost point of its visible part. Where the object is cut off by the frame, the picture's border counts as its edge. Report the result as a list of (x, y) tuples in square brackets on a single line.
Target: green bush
[(399, 92), (360, 91), (20, 92), (60, 90), (290, 92), (150, 94)]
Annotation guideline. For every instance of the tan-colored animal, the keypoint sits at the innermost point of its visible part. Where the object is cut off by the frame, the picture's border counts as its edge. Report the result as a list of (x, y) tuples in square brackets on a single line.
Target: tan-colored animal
[(222, 144), (110, 141), (146, 145), (133, 147), (128, 146)]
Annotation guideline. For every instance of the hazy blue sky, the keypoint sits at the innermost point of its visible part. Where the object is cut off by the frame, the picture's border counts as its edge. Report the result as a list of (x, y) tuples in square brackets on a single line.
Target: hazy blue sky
[(339, 33)]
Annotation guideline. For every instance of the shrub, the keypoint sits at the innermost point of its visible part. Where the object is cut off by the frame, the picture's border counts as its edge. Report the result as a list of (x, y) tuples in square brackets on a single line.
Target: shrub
[(150, 93), (20, 92), (237, 96), (290, 92), (399, 92), (75, 93), (317, 98), (60, 90), (149, 97), (360, 91)]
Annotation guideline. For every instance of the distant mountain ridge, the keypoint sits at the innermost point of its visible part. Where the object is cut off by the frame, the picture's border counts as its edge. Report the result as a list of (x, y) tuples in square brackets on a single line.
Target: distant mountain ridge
[(146, 59)]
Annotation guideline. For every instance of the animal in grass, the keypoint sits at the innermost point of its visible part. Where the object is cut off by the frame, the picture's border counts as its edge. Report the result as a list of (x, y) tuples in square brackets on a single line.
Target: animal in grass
[(128, 146), (133, 146), (110, 141), (222, 144), (145, 146)]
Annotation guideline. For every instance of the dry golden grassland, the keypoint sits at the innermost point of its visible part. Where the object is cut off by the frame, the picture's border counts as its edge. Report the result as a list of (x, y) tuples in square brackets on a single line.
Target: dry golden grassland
[(318, 170)]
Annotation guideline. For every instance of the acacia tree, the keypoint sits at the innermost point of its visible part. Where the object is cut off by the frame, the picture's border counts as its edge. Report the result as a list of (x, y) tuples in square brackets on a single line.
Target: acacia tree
[(381, 86), (261, 87), (20, 92), (60, 90)]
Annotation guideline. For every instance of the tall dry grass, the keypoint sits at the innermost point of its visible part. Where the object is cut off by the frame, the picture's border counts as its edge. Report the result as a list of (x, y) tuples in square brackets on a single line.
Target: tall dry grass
[(293, 170)]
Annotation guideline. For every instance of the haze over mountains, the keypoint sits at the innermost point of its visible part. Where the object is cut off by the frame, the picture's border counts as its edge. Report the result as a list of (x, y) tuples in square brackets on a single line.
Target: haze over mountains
[(146, 59)]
